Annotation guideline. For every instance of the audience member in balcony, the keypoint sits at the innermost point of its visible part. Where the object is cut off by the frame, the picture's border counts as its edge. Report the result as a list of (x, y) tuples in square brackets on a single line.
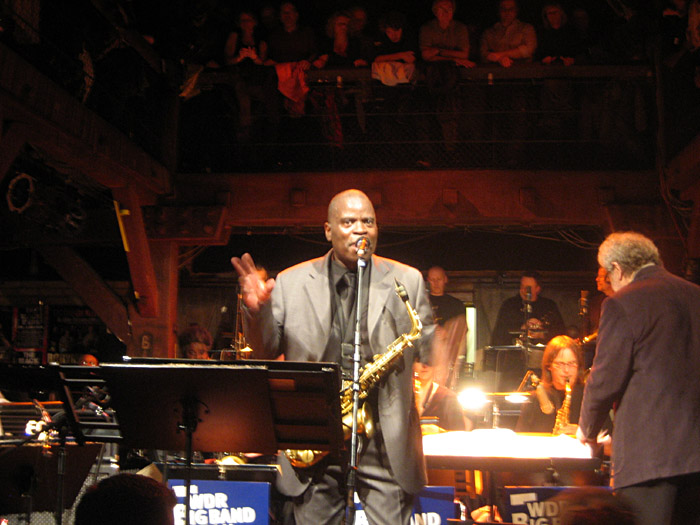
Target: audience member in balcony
[(291, 42), (506, 43), (395, 58), (247, 52), (291, 49), (632, 34), (680, 46), (588, 36), (673, 28), (444, 45), (445, 40), (341, 49), (557, 42), (358, 29), (556, 45), (269, 20), (509, 41), (694, 37)]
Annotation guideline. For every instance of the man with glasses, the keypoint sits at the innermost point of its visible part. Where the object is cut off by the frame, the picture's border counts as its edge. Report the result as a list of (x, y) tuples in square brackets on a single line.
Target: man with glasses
[(646, 366)]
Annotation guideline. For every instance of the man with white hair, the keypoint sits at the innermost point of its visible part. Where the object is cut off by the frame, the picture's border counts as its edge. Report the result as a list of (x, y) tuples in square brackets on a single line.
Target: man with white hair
[(646, 368)]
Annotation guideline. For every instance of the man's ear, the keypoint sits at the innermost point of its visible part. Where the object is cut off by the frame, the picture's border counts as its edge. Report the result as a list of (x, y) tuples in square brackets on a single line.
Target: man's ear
[(327, 230)]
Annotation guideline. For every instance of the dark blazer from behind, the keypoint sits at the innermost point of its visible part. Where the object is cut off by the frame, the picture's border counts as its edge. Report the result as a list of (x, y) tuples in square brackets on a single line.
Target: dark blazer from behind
[(648, 364)]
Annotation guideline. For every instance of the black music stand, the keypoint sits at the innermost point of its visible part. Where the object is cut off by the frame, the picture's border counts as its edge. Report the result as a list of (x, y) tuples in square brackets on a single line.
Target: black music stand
[(29, 479), (223, 407), (509, 362), (47, 379)]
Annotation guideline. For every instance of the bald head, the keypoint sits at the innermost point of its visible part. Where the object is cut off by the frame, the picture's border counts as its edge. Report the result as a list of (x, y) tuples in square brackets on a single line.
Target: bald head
[(350, 217), (437, 279), (340, 198)]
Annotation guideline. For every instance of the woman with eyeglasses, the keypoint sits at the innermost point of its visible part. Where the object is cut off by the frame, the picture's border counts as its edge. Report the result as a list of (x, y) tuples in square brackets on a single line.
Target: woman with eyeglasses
[(562, 362)]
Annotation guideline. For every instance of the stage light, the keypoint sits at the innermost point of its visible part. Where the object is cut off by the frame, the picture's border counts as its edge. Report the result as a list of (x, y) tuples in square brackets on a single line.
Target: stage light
[(472, 398)]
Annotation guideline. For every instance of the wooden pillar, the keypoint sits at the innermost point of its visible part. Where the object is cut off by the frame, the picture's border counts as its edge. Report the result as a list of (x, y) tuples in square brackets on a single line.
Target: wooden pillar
[(156, 336)]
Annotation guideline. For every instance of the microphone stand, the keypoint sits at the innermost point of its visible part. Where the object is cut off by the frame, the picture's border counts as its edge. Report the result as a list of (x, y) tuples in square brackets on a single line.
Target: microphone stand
[(356, 357), (527, 311)]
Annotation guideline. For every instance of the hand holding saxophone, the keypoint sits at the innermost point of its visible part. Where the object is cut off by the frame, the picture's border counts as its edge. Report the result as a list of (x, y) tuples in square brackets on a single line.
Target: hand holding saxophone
[(255, 291)]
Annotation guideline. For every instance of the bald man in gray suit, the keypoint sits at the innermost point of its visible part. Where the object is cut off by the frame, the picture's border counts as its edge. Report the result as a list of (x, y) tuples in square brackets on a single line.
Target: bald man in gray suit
[(300, 315)]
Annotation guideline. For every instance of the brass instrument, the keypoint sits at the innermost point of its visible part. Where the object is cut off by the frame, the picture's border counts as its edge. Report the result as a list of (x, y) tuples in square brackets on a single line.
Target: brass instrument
[(562, 420), (370, 375), (590, 337), (240, 347)]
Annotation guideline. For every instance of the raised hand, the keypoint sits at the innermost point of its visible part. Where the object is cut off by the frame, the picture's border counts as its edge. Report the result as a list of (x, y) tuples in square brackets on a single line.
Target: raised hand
[(254, 291)]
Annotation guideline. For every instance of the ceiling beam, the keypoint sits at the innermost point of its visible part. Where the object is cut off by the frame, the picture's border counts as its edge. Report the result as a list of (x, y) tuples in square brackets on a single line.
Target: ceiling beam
[(85, 281)]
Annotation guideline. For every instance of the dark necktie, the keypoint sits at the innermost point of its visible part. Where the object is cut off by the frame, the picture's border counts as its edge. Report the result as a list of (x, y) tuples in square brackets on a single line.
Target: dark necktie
[(346, 289)]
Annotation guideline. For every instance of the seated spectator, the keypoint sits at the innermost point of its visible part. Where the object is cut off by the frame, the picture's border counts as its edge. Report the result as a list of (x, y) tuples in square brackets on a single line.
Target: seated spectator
[(394, 64), (395, 44), (673, 28), (291, 43), (358, 29), (269, 20), (557, 42), (195, 342), (631, 36), (291, 49), (556, 45), (445, 39), (588, 37), (126, 498), (444, 45), (340, 50), (694, 37), (509, 40), (247, 52)]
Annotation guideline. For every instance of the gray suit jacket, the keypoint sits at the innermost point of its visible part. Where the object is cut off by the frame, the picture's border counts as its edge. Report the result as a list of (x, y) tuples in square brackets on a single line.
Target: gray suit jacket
[(297, 323), (648, 363)]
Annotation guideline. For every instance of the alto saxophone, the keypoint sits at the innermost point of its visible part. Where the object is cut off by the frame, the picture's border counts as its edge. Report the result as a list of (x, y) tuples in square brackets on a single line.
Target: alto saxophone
[(562, 420), (370, 375)]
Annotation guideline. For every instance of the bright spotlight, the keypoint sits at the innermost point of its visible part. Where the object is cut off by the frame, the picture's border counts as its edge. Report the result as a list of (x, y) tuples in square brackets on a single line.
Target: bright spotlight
[(472, 398)]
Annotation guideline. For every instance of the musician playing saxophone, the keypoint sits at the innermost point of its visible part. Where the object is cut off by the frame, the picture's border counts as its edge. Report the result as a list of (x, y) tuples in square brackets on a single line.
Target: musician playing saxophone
[(562, 363), (307, 314)]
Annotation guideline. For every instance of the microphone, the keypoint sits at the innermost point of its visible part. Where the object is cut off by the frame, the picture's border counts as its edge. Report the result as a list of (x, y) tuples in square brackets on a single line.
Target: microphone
[(528, 299), (363, 245), (583, 304)]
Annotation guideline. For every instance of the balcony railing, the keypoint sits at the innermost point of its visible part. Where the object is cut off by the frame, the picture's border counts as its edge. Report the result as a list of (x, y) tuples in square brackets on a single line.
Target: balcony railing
[(529, 117)]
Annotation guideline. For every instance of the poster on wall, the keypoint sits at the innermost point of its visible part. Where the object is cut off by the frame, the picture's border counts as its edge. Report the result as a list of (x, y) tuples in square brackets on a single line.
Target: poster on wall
[(6, 352), (74, 330), (29, 334)]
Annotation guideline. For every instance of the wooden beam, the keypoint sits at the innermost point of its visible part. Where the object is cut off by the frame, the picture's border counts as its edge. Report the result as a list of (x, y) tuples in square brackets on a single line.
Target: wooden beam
[(12, 140), (139, 253), (85, 281), (67, 131), (424, 199), (155, 337)]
